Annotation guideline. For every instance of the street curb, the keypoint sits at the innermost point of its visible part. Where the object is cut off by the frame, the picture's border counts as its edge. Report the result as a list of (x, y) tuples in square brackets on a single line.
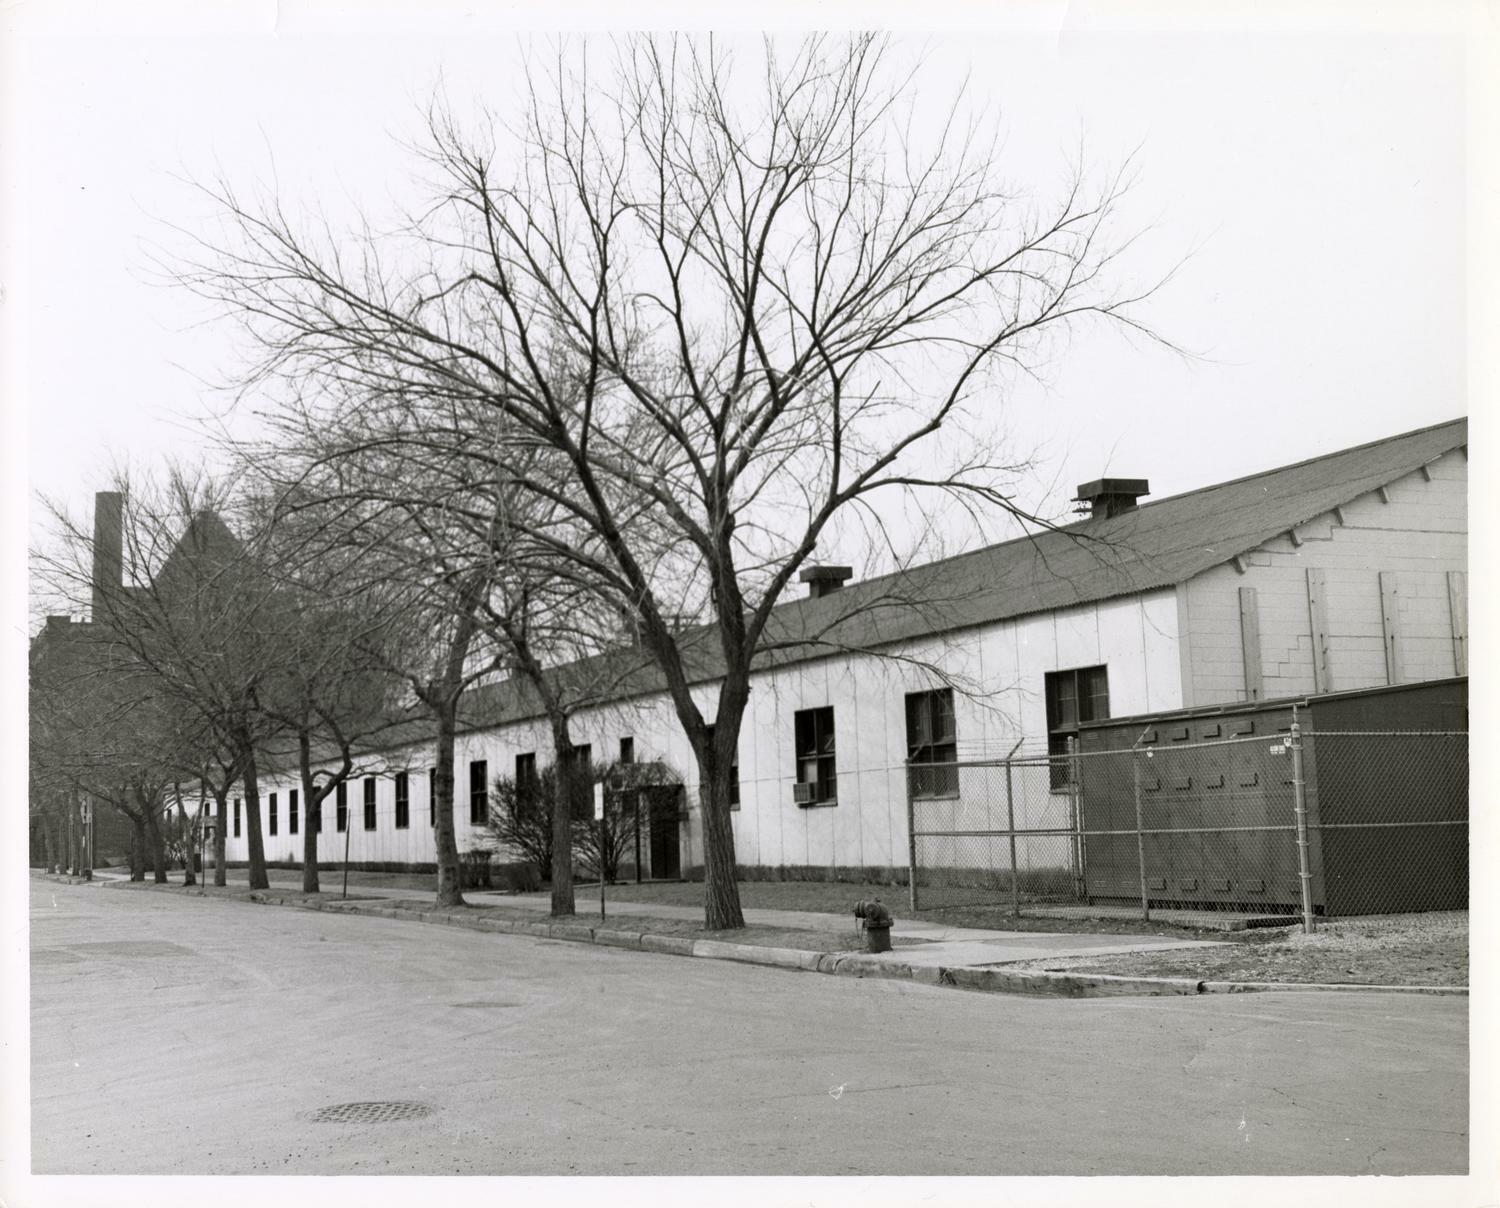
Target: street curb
[(61, 878), (990, 979)]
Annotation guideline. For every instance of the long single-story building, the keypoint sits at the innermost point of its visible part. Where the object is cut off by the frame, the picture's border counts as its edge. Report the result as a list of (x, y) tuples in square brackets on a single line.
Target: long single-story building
[(1344, 571)]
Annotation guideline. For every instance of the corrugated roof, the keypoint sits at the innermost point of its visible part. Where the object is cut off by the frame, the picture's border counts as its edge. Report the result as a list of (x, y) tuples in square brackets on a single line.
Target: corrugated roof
[(1159, 544)]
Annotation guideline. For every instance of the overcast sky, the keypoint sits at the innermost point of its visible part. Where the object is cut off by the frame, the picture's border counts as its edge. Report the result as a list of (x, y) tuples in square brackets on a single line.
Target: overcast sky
[(1315, 180)]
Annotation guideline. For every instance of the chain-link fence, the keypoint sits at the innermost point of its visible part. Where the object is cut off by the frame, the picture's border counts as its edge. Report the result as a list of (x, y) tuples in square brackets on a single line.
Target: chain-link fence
[(1262, 825)]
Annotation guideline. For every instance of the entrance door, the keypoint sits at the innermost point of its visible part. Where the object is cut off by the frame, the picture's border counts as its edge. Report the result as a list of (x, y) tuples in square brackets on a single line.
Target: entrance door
[(666, 849)]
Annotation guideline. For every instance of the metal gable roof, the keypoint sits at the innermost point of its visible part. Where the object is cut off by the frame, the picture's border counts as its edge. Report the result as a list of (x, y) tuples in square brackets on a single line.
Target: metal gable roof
[(1158, 544)]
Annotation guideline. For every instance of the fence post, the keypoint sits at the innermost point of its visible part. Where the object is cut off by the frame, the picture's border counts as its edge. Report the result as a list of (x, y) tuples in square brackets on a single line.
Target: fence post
[(911, 843), (1075, 803), (1140, 842), (1299, 806), (1010, 823)]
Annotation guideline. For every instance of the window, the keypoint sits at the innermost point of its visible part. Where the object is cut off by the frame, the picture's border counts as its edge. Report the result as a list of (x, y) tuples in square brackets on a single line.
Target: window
[(479, 792), (525, 777), (734, 772), (273, 813), (526, 769), (583, 757), (236, 817), (341, 805), (403, 803), (432, 797), (816, 764), (1072, 697), (291, 813), (627, 750), (931, 739), (369, 803)]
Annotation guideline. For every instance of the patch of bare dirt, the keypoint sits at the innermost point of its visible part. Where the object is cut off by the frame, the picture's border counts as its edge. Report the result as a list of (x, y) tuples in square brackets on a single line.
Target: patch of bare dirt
[(1393, 950)]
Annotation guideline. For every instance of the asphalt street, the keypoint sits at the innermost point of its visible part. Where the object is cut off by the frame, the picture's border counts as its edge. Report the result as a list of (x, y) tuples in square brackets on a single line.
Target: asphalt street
[(188, 1036)]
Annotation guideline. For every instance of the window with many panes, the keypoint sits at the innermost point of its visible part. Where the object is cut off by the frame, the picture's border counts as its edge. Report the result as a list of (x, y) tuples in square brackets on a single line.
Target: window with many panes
[(341, 805), (272, 815), (931, 744), (479, 792), (369, 803), (403, 803), (816, 763), (292, 820), (1075, 696), (236, 817), (734, 773)]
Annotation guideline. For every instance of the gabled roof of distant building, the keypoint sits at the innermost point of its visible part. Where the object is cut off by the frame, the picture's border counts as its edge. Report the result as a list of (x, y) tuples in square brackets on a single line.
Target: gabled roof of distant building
[(1158, 544)]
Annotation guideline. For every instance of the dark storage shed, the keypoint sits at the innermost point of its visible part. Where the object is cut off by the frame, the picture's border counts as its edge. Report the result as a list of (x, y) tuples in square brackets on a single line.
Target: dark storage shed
[(1387, 793)]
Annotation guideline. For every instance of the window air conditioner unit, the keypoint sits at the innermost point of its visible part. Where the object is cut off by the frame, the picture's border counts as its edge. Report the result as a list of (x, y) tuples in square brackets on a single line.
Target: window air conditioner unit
[(802, 793)]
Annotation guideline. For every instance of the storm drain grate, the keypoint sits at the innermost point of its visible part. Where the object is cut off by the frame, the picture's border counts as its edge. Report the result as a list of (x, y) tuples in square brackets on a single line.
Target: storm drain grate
[(371, 1113)]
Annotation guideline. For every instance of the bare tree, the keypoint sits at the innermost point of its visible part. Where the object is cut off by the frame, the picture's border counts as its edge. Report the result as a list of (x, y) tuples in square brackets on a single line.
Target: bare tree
[(332, 688), (101, 734), (409, 513), (186, 616), (746, 309)]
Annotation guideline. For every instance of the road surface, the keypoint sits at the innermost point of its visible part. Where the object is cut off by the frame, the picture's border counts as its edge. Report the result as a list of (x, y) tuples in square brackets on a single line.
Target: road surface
[(174, 1035)]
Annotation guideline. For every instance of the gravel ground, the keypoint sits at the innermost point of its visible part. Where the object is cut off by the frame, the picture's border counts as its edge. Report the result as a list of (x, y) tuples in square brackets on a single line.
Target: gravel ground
[(1388, 950)]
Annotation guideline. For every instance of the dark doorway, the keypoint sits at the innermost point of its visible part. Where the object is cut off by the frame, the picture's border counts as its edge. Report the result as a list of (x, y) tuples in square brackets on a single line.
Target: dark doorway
[(665, 820)]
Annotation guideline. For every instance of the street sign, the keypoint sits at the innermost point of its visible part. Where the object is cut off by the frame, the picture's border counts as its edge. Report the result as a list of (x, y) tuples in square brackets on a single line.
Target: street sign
[(88, 811), (599, 802)]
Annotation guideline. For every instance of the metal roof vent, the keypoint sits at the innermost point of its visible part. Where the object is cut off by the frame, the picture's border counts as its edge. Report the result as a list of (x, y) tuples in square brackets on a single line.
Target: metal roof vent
[(1105, 497), (825, 580)]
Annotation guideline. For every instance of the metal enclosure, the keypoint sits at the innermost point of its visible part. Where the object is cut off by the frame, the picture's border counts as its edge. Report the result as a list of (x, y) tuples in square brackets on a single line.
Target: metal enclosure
[(1202, 801)]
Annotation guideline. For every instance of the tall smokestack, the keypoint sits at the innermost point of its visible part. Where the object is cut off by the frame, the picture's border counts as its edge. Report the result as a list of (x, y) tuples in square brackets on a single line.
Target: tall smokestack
[(109, 520)]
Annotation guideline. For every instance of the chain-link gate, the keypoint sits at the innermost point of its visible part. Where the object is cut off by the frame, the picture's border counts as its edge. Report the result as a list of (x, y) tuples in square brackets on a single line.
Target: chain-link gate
[(995, 832), (1278, 824)]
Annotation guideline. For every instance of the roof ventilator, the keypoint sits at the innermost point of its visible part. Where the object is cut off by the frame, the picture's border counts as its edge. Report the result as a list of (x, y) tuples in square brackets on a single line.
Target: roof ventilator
[(1106, 497), (825, 580)]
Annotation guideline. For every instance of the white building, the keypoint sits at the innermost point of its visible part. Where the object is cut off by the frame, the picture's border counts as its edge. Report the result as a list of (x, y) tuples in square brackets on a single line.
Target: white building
[(1341, 572)]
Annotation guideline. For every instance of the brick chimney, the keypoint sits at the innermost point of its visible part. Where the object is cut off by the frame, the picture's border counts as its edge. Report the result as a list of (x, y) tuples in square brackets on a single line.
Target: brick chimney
[(1105, 497), (109, 521), (825, 580)]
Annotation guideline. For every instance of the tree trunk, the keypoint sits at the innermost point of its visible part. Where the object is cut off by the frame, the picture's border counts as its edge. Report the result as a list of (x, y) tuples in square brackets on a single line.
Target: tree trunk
[(450, 874), (562, 817), (157, 843), (257, 843), (137, 848), (312, 812), (721, 893), (190, 849), (221, 814), (49, 841)]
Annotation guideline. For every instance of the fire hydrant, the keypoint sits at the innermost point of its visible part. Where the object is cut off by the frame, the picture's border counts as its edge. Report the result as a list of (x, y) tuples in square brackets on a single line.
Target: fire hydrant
[(877, 922)]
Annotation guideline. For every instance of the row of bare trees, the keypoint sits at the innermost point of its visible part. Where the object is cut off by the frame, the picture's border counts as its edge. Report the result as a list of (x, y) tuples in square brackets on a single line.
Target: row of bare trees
[(648, 341)]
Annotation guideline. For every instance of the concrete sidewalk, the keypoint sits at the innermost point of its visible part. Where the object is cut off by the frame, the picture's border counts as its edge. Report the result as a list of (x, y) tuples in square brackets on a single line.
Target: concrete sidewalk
[(945, 947), (948, 946)]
